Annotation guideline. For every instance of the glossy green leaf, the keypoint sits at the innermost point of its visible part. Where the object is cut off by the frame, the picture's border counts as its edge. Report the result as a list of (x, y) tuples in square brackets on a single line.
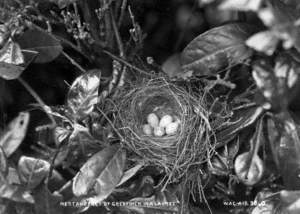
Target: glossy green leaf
[(45, 44), (216, 49), (32, 171), (83, 94), (15, 133), (101, 173)]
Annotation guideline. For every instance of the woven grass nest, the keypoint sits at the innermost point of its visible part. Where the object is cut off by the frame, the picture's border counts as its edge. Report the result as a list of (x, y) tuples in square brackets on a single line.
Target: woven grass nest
[(176, 154)]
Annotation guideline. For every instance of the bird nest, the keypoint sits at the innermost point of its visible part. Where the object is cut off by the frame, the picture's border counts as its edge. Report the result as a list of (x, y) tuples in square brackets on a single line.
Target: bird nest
[(177, 153)]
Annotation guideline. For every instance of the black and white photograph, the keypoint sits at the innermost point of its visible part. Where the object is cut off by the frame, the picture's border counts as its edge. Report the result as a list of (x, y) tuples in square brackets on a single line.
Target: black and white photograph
[(149, 107)]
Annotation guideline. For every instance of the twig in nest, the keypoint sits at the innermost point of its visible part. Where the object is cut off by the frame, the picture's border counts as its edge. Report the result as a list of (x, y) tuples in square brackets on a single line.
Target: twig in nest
[(219, 81), (111, 123)]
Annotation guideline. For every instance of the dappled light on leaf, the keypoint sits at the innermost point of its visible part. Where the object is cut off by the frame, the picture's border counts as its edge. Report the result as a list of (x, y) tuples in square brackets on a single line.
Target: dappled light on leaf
[(11, 59), (15, 133), (32, 171), (264, 41), (11, 53), (276, 83), (3, 162), (83, 94), (243, 5), (282, 20), (100, 174)]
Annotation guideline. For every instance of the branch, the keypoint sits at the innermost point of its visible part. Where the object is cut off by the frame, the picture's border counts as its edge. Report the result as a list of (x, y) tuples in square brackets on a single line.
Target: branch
[(73, 62), (117, 35), (126, 63), (123, 9), (38, 99)]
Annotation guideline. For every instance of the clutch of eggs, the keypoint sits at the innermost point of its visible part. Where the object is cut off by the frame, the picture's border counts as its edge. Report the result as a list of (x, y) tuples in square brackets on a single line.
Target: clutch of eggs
[(160, 127)]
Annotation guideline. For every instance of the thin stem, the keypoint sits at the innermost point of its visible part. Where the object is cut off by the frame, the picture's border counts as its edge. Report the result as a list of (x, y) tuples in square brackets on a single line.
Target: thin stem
[(126, 63), (123, 9), (38, 99), (117, 35), (73, 62), (64, 187)]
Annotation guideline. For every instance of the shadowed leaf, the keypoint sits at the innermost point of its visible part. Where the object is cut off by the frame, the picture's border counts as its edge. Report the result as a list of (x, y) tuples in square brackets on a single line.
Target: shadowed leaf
[(46, 202), (240, 120), (217, 49), (285, 143), (46, 45), (15, 193), (290, 201)]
